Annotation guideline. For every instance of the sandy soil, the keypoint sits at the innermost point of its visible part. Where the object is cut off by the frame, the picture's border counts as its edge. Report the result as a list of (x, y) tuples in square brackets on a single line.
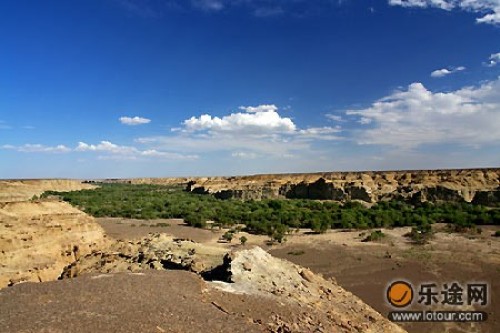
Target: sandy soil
[(366, 268)]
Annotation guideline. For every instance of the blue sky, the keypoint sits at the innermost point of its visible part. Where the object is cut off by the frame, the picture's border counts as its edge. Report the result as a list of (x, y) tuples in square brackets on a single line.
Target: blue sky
[(132, 88)]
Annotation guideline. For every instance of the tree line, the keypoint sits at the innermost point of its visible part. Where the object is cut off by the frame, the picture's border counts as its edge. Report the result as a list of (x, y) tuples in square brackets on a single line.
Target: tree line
[(272, 217)]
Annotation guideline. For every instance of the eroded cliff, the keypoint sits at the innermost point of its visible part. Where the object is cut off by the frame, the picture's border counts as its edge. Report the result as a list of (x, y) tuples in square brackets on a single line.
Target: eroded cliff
[(22, 190), (470, 185)]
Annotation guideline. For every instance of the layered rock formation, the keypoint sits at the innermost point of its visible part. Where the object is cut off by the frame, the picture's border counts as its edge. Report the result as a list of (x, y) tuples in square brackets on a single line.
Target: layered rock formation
[(256, 272), (159, 251), (23, 190), (39, 239), (476, 185)]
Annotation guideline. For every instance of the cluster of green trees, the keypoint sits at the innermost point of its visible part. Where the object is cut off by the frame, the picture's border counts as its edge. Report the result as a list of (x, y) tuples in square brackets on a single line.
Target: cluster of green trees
[(272, 217)]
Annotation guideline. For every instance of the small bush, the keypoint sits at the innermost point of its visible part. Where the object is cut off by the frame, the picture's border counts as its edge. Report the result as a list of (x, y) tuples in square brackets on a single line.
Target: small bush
[(420, 235), (243, 240), (228, 236), (374, 236)]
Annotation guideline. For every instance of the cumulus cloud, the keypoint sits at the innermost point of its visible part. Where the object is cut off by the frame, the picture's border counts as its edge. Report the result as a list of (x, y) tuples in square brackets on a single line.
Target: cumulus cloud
[(444, 72), (258, 131), (37, 148), (134, 121), (417, 116), (490, 9), (259, 120), (494, 59)]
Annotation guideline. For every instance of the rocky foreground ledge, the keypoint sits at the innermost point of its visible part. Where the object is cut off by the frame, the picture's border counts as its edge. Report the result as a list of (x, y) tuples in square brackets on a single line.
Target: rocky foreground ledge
[(314, 304), (481, 186)]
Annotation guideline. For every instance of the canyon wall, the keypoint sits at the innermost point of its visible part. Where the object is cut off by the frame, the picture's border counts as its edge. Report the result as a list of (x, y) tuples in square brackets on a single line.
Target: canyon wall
[(469, 185), (23, 190), (39, 238)]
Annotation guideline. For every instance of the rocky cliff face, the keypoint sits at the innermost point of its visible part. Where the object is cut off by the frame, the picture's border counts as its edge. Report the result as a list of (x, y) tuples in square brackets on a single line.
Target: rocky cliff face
[(476, 185), (22, 190), (38, 239)]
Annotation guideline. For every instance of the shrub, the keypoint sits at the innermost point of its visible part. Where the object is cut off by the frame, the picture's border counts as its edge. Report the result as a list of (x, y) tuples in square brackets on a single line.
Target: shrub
[(228, 236), (243, 240), (420, 235), (374, 236)]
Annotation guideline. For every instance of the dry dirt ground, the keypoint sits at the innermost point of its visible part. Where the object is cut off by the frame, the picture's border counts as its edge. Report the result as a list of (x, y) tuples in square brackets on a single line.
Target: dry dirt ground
[(367, 268), (103, 303)]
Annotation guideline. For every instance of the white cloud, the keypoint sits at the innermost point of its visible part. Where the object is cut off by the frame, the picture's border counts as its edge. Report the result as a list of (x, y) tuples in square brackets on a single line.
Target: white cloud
[(128, 152), (259, 108), (320, 133), (216, 142), (407, 119), (262, 119), (168, 155), (490, 9), (133, 121), (106, 146), (259, 131), (37, 148), (444, 72), (494, 59)]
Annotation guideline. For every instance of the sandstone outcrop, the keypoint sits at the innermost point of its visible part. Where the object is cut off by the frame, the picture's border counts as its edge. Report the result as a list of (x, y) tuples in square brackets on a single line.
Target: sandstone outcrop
[(23, 190), (476, 185), (159, 251), (256, 272), (253, 272), (38, 239)]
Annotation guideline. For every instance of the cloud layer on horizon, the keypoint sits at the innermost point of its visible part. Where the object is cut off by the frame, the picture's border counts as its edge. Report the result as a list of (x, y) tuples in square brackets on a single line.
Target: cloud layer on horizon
[(416, 116)]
